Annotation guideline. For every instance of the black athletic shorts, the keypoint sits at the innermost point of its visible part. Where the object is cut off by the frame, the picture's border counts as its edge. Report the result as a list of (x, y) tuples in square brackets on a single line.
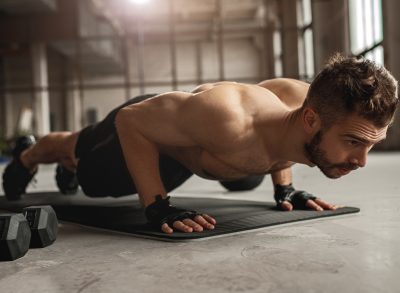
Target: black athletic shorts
[(101, 168)]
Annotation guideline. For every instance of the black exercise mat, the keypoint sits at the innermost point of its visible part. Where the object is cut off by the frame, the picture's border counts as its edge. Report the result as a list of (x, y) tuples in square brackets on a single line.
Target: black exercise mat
[(125, 214)]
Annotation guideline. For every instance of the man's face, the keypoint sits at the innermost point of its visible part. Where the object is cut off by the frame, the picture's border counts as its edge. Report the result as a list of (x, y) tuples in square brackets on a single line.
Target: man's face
[(344, 146)]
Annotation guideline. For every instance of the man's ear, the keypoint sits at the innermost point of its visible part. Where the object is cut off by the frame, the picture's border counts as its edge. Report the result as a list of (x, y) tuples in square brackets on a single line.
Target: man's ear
[(311, 120)]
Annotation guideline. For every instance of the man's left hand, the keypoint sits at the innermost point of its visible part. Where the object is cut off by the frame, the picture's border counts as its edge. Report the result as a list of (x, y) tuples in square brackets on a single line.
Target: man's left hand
[(287, 198)]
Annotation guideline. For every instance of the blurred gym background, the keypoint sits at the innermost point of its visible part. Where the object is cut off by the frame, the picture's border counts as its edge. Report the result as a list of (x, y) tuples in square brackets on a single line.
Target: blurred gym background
[(65, 63)]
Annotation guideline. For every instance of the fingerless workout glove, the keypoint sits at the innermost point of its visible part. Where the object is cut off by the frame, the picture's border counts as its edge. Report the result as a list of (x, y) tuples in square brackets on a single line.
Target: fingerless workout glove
[(297, 198), (161, 211)]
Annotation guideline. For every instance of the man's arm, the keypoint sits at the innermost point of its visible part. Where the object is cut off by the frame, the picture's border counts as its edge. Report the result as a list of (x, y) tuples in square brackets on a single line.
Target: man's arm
[(141, 127), (282, 177), (141, 157), (174, 119)]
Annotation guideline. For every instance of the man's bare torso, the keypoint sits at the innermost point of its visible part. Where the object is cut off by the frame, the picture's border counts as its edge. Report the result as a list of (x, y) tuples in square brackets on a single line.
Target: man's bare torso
[(236, 145)]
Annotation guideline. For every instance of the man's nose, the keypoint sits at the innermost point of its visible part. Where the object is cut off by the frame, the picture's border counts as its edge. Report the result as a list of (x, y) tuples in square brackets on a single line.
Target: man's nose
[(360, 159)]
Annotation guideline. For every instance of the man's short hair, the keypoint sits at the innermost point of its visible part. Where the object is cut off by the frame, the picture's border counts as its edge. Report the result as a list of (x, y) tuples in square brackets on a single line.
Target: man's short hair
[(348, 85)]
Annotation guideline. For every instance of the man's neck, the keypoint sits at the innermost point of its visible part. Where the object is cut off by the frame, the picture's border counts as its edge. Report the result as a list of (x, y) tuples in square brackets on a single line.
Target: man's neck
[(290, 138)]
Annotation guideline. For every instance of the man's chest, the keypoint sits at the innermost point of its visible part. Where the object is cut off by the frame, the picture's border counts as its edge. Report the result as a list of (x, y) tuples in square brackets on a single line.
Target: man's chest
[(237, 166), (230, 164), (233, 165)]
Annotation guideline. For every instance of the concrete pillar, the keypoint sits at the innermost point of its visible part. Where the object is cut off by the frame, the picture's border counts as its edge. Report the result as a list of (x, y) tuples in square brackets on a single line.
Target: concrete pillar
[(9, 116), (391, 44), (266, 46), (3, 113), (290, 48), (267, 54), (73, 109), (40, 94), (330, 29)]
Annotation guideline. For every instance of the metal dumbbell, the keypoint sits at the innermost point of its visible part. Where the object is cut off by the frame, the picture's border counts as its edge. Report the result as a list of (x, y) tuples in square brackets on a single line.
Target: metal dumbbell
[(36, 227)]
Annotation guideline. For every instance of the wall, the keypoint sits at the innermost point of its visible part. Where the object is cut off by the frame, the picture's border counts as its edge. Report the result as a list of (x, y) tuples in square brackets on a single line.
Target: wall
[(241, 57), (391, 32), (16, 73)]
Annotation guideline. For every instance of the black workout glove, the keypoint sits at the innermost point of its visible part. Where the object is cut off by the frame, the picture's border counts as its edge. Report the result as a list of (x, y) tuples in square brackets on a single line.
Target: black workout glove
[(297, 198), (161, 211)]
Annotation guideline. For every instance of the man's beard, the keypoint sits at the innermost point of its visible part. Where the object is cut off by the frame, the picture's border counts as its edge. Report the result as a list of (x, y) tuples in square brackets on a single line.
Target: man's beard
[(319, 158)]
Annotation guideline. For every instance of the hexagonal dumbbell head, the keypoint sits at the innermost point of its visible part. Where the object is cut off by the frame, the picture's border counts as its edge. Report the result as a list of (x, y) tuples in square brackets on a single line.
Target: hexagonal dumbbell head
[(43, 223), (15, 236)]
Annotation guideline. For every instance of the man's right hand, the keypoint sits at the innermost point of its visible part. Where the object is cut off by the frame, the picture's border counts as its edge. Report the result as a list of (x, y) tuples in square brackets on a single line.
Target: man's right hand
[(169, 218), (197, 224)]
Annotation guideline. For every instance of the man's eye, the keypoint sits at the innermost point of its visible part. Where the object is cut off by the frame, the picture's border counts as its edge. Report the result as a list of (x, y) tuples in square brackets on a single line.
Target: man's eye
[(353, 142)]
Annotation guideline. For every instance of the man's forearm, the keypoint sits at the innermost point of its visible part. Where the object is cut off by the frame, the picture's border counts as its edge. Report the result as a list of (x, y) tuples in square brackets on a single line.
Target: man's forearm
[(282, 177)]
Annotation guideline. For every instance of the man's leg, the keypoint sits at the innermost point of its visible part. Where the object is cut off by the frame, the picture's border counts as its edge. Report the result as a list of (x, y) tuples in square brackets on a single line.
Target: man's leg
[(57, 147), (60, 146)]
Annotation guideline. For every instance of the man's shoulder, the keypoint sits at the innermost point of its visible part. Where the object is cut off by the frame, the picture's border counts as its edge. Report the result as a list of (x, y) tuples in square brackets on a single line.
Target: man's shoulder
[(283, 81), (290, 91), (236, 100), (235, 103)]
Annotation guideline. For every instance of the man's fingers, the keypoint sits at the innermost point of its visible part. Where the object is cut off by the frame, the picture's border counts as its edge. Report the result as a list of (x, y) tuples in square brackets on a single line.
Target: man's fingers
[(286, 206), (188, 225), (325, 205), (196, 227), (209, 219), (201, 219), (166, 229), (313, 205), (179, 225)]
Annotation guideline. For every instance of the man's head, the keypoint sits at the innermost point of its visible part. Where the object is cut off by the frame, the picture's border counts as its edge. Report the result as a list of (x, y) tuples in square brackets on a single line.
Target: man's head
[(348, 108)]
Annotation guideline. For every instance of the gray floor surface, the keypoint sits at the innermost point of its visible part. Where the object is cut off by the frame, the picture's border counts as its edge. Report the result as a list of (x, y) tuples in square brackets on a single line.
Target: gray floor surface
[(355, 253)]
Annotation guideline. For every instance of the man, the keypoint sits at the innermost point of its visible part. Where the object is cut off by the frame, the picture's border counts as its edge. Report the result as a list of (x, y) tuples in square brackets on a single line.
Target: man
[(223, 131)]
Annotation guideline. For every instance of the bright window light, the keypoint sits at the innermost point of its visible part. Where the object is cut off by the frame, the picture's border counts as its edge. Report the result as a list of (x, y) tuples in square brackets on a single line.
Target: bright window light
[(139, 1), (365, 24)]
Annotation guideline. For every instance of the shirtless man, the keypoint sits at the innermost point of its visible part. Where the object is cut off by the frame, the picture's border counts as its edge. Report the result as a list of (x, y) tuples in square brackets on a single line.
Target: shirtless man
[(223, 131)]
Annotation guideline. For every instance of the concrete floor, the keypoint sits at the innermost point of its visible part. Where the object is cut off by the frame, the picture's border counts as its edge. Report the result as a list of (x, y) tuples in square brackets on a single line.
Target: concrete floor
[(357, 253)]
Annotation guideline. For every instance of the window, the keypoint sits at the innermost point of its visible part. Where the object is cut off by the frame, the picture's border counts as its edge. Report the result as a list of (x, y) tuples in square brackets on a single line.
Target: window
[(277, 45), (366, 29), (305, 42)]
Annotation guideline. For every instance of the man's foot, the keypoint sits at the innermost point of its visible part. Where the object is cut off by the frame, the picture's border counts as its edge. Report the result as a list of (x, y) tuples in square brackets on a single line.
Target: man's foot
[(16, 176), (66, 180)]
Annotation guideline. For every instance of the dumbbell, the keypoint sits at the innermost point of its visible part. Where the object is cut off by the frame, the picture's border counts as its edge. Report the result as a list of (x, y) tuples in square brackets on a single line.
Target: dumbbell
[(15, 236), (43, 224), (36, 227)]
